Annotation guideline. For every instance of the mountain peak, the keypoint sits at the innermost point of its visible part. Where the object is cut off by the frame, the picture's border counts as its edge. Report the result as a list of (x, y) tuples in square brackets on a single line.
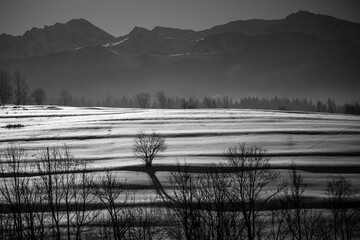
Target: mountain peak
[(80, 32), (323, 27), (174, 33), (159, 29), (78, 20), (137, 30), (304, 13), (57, 37)]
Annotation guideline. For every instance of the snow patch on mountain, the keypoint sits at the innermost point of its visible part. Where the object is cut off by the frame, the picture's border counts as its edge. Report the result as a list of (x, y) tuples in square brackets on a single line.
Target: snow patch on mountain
[(179, 54), (115, 43)]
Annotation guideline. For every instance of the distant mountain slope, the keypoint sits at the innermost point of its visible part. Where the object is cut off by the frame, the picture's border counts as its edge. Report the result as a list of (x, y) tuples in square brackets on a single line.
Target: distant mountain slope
[(303, 55), (247, 27), (144, 41), (322, 26), (58, 37), (229, 42), (238, 43), (174, 33), (164, 40), (282, 64)]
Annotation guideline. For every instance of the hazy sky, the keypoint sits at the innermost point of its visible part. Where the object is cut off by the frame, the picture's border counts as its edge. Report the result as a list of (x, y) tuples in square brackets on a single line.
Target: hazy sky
[(118, 17)]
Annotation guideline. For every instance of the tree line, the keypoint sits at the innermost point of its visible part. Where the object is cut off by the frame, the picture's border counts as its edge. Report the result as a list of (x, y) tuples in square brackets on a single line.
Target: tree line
[(58, 197), (163, 101), (14, 89)]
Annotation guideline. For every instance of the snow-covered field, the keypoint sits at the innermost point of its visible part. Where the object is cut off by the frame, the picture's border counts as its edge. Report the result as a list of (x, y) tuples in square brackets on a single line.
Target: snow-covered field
[(323, 144)]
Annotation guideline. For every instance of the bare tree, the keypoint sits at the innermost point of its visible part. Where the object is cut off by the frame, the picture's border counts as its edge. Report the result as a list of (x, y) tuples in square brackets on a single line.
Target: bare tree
[(11, 190), (35, 216), (227, 102), (301, 223), (65, 182), (142, 100), (189, 103), (83, 197), (346, 221), (164, 101), (184, 186), (5, 87), (251, 184), (65, 98), (108, 189), (39, 96), (277, 225), (331, 105), (148, 146), (294, 197), (22, 196), (55, 204), (203, 206), (21, 89), (6, 228), (218, 214), (49, 166), (147, 222), (220, 205), (54, 165), (209, 102)]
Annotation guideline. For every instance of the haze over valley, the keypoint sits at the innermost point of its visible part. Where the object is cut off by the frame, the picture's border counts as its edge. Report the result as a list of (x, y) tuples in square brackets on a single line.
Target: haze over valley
[(303, 55)]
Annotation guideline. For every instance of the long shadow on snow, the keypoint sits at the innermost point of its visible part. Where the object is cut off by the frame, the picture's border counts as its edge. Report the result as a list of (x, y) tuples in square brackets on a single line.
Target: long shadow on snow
[(157, 184)]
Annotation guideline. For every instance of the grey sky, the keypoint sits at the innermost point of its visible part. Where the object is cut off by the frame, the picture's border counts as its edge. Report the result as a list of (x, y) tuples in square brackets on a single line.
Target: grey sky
[(118, 17)]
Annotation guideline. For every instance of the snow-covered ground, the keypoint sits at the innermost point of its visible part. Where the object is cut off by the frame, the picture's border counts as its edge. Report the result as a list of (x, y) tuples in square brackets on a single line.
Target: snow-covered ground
[(105, 136)]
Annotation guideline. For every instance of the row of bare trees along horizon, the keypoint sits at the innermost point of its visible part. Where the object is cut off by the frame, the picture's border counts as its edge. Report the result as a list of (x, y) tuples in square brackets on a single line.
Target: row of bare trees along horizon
[(14, 89)]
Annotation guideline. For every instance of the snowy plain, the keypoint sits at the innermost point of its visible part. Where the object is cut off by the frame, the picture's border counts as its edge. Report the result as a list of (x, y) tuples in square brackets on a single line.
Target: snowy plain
[(322, 144)]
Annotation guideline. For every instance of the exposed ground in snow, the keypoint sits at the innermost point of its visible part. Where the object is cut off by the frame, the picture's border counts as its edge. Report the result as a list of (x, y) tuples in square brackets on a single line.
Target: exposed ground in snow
[(320, 144)]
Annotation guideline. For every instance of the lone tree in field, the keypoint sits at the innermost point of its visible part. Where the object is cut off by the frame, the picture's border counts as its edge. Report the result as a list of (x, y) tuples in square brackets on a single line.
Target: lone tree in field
[(148, 146)]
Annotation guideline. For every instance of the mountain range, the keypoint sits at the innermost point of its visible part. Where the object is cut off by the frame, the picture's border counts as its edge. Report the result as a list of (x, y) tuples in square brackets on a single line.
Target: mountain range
[(303, 55)]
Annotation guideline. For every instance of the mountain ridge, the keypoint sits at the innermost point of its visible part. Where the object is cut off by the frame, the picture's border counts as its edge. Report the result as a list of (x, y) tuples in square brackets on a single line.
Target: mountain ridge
[(302, 55), (66, 36), (54, 38)]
